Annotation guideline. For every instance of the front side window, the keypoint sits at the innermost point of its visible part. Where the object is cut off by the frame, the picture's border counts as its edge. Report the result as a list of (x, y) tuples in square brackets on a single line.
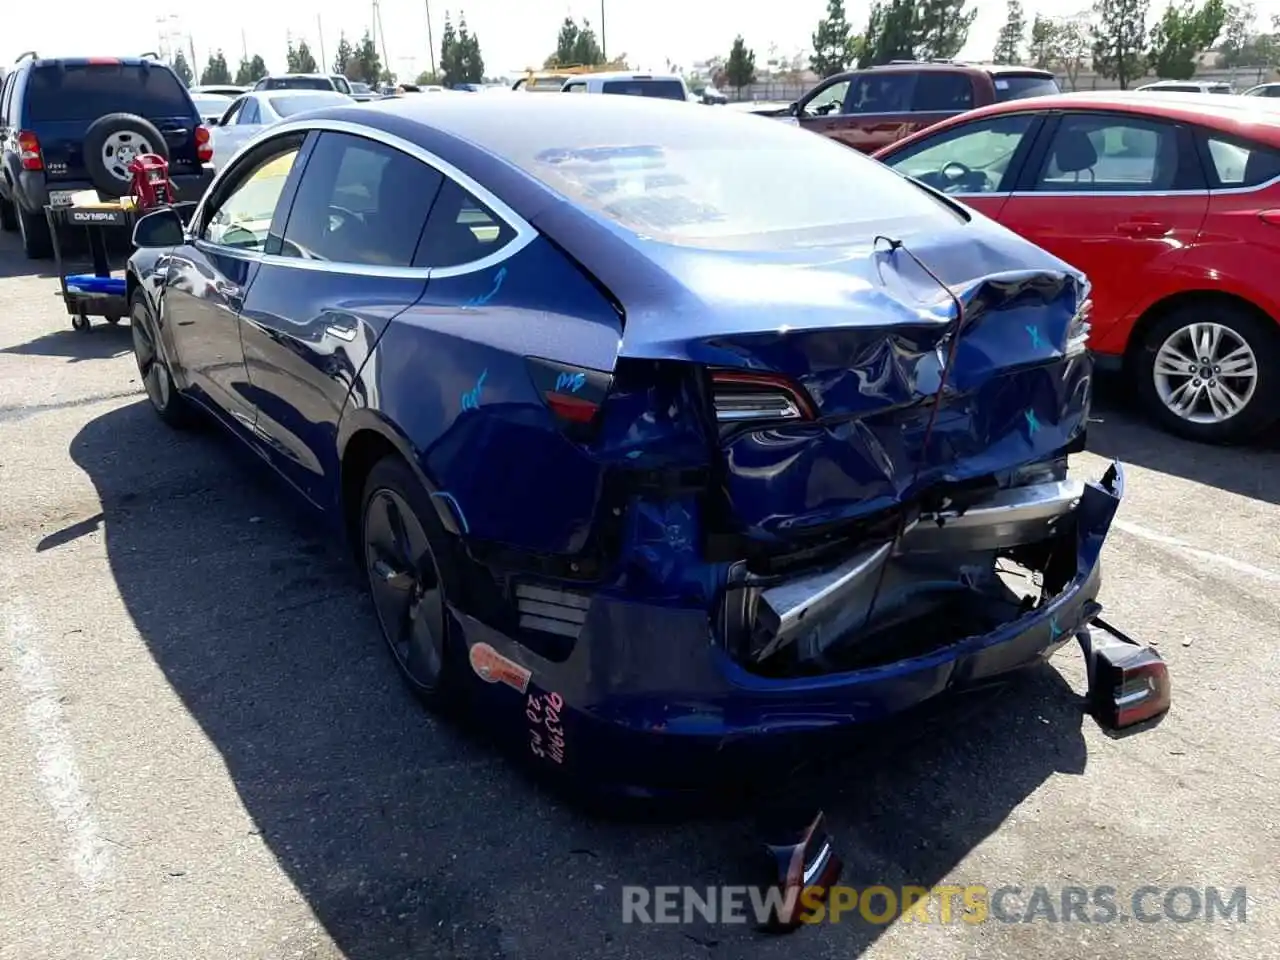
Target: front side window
[(360, 202), (575, 87), (251, 114), (242, 219), (1106, 153), (972, 158), (233, 114), (830, 100), (888, 92)]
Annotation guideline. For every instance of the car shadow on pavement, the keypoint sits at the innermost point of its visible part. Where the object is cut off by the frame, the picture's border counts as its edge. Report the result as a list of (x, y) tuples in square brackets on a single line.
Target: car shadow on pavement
[(102, 342), (410, 838), (1118, 430)]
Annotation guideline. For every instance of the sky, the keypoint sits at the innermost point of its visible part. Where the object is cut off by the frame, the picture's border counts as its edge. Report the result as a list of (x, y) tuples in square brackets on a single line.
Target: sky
[(513, 34)]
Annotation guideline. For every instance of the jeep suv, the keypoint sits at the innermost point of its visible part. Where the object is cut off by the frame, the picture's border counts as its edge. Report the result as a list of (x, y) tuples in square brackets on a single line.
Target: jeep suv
[(74, 124)]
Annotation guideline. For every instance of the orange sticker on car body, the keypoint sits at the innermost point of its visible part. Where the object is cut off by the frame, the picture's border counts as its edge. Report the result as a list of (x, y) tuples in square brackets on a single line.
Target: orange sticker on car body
[(492, 667)]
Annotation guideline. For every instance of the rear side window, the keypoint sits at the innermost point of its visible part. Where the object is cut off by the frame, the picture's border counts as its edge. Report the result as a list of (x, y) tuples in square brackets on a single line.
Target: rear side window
[(89, 91), (1019, 88), (1237, 163), (461, 230), (939, 91), (360, 202), (662, 89), (1101, 153)]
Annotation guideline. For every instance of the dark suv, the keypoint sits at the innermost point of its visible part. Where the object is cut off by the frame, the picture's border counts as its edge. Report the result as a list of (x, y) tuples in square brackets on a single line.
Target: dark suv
[(75, 124)]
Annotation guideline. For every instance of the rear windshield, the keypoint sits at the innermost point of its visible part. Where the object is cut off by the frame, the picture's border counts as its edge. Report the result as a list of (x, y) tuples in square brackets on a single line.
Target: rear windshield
[(298, 83), (1019, 88), (684, 177), (89, 91), (541, 84), (300, 103), (664, 89)]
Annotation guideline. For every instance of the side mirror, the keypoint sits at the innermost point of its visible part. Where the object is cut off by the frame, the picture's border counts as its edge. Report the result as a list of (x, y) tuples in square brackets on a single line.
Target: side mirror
[(794, 109), (160, 228)]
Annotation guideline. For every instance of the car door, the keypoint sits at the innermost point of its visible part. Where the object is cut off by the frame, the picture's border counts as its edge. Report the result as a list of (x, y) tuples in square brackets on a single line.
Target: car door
[(318, 306), (1119, 196), (976, 162), (209, 275)]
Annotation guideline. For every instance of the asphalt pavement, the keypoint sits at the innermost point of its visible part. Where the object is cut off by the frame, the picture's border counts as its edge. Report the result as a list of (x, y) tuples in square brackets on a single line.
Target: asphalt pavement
[(205, 752)]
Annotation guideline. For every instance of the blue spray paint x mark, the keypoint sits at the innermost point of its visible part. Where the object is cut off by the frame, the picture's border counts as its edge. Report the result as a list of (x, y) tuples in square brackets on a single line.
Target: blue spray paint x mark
[(481, 299), (1033, 425), (1034, 333), (471, 398), (1055, 631), (457, 508), (570, 382)]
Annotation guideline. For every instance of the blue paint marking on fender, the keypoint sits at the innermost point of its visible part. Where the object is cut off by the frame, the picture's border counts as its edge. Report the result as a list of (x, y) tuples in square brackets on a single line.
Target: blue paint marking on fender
[(471, 398), (1033, 425), (570, 382), (1055, 631), (450, 499), (1034, 333), (481, 299)]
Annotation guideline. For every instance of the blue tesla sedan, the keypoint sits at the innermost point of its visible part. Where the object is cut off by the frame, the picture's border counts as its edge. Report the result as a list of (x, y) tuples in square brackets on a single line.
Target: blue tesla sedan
[(656, 430)]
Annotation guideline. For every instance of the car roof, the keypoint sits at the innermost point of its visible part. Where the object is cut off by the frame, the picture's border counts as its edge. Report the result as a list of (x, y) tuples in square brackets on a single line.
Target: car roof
[(624, 75), (91, 61), (951, 66), (1254, 117)]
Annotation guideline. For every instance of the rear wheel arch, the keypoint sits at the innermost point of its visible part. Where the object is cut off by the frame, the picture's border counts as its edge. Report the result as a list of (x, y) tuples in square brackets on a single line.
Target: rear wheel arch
[(1167, 305)]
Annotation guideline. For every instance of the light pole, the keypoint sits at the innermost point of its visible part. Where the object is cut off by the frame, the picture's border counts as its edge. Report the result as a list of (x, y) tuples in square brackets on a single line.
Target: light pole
[(431, 44), (604, 48)]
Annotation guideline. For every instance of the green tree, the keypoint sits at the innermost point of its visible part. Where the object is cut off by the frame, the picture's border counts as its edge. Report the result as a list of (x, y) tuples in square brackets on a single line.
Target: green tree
[(740, 70), (1012, 34), (890, 33), (367, 65), (1120, 39), (1239, 45), (1070, 50), (450, 54), (586, 48), (250, 71), (1183, 32), (833, 45), (300, 58), (182, 68), (216, 70), (941, 28), (426, 78), (344, 55), (1044, 34), (470, 62), (565, 44)]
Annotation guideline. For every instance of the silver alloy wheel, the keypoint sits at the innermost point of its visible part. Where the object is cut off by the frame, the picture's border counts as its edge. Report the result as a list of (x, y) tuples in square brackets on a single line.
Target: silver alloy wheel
[(1205, 373), (119, 150), (151, 366)]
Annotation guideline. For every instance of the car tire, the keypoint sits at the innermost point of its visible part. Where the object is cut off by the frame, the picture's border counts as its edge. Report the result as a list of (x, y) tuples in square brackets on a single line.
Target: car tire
[(111, 142), (1225, 409), (402, 549), (153, 367), (33, 228), (8, 216)]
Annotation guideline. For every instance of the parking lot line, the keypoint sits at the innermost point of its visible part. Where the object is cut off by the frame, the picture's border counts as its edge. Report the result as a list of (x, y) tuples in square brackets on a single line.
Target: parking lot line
[(1218, 559), (56, 766)]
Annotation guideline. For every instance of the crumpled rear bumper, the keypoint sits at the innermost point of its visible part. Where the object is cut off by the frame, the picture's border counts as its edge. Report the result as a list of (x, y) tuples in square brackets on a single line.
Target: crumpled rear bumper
[(647, 692)]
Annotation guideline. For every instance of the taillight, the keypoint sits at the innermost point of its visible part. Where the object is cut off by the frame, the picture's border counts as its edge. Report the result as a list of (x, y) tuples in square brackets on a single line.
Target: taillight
[(573, 394), (746, 395), (29, 151), (204, 146)]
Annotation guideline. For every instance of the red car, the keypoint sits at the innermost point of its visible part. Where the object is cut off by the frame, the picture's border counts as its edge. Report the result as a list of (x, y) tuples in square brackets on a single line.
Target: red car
[(1171, 206)]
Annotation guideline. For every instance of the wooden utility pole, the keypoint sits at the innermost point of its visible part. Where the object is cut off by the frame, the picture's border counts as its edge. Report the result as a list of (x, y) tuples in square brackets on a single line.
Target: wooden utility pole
[(604, 49), (324, 68), (431, 43)]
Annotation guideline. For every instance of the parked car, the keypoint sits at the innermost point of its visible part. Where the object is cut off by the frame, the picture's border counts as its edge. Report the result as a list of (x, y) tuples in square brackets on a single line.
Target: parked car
[(74, 124), (305, 81), (628, 446), (1263, 90), (254, 112), (619, 83), (212, 106), (868, 109), (220, 90), (713, 97), (1169, 204), (1186, 86)]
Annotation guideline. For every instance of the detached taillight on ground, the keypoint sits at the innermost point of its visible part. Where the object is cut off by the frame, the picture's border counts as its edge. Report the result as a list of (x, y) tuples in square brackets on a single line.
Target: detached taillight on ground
[(745, 395), (807, 867), (29, 151), (1128, 682), (204, 144)]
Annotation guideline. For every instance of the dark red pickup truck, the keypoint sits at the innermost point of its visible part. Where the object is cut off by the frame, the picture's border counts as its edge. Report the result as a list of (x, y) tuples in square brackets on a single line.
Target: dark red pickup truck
[(869, 109)]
